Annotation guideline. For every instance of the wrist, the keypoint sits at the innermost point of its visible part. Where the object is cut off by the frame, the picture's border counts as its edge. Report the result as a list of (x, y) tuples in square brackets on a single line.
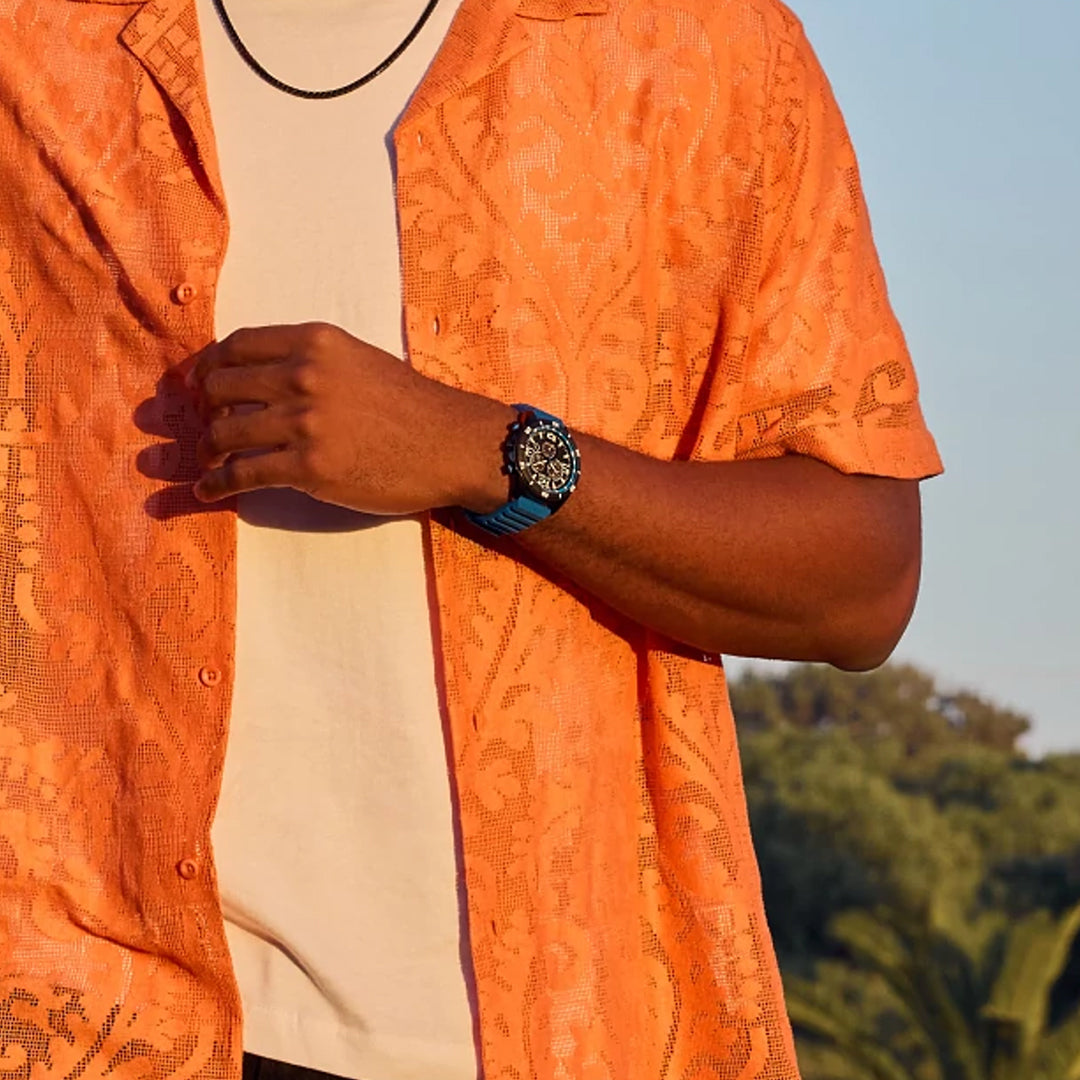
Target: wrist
[(481, 484), (543, 463)]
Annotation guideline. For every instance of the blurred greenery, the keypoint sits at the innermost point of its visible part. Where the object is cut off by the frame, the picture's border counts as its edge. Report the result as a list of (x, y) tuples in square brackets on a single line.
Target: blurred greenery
[(921, 876)]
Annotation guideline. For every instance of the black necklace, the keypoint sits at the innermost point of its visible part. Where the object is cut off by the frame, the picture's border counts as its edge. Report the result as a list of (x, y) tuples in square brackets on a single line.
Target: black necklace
[(296, 91)]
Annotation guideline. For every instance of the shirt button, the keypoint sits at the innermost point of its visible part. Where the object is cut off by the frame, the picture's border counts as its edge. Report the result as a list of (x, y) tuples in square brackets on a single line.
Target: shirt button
[(185, 292), (419, 138), (209, 676), (436, 326), (188, 869)]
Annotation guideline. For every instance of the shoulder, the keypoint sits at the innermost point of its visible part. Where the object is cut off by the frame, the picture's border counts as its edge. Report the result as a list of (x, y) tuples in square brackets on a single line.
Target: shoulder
[(745, 30), (744, 17), (753, 40), (757, 48)]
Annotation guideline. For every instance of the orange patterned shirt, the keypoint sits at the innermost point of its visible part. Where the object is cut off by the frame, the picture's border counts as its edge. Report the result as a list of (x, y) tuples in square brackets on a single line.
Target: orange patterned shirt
[(642, 215)]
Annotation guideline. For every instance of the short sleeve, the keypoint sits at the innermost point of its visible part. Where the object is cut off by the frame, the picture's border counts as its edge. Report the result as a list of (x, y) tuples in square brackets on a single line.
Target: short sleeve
[(825, 372)]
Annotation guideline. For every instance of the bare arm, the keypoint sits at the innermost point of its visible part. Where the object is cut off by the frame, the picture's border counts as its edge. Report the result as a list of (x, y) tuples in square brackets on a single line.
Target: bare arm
[(784, 558)]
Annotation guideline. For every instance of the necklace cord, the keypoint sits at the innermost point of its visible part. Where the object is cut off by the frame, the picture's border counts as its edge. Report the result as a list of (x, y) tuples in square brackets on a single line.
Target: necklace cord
[(317, 95)]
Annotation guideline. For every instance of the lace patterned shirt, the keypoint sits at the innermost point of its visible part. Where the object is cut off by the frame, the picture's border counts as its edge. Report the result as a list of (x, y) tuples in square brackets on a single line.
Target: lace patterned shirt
[(644, 216)]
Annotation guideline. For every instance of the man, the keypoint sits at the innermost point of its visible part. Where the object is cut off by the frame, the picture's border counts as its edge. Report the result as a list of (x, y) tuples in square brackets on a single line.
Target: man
[(656, 409)]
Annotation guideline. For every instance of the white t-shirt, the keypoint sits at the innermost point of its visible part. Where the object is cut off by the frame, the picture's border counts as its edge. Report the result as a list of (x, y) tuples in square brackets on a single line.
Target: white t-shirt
[(334, 836)]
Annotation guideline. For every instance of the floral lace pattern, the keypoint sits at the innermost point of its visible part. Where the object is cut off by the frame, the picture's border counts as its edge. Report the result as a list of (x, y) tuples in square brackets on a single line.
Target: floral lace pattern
[(644, 216)]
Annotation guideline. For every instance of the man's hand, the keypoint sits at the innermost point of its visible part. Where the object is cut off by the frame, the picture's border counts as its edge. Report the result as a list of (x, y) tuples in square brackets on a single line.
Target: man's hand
[(313, 408)]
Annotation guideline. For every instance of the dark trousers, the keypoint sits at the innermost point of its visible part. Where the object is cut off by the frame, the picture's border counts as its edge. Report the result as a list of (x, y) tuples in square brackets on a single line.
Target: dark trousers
[(260, 1068)]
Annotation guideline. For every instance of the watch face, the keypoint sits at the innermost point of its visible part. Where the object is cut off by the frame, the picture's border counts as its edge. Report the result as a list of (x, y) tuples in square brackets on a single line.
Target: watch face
[(547, 461)]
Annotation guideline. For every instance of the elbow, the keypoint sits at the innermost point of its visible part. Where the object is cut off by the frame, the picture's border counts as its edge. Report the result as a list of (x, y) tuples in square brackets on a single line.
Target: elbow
[(882, 591), (867, 636), (872, 655)]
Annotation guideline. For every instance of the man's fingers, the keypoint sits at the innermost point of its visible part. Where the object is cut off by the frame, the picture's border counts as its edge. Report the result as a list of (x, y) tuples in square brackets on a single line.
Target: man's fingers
[(233, 433), (240, 474), (251, 345), (261, 384)]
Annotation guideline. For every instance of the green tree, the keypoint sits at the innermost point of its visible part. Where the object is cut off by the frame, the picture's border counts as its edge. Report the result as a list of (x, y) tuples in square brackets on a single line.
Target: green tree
[(922, 877), (897, 702), (963, 1003)]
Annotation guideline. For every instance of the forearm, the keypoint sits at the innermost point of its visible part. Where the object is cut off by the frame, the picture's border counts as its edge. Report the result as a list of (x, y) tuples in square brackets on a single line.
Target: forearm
[(784, 558)]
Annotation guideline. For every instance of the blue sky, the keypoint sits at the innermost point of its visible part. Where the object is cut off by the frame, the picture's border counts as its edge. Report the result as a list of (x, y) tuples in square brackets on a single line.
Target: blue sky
[(966, 118)]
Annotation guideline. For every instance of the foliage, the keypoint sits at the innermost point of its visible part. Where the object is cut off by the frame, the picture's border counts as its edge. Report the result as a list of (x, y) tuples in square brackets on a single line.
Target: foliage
[(921, 874)]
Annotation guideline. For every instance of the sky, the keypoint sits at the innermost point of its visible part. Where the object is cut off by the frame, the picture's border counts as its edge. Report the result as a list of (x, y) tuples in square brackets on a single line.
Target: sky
[(966, 120)]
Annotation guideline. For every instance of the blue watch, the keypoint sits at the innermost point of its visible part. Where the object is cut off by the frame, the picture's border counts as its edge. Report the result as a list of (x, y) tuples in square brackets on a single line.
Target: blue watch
[(544, 466)]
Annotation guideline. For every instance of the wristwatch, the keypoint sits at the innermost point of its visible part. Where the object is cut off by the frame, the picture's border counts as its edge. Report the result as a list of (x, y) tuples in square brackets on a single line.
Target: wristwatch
[(544, 466)]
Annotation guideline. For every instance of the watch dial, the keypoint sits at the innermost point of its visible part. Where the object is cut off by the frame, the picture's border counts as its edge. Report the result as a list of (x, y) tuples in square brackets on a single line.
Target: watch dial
[(547, 461)]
